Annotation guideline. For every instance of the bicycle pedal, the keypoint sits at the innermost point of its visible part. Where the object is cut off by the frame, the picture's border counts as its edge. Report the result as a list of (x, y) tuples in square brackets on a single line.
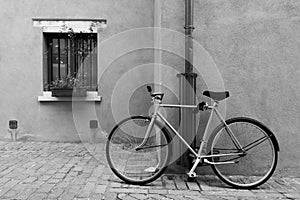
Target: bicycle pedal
[(151, 169), (191, 176)]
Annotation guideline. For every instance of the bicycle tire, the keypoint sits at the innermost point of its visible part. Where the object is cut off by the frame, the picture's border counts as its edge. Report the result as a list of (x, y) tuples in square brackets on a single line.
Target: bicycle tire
[(257, 165), (137, 168)]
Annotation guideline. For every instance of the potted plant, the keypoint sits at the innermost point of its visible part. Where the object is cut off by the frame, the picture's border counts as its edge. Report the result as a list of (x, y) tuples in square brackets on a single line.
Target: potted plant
[(67, 87)]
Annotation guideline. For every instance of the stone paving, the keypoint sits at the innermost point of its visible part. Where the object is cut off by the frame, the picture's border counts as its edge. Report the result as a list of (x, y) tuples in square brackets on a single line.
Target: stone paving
[(43, 170)]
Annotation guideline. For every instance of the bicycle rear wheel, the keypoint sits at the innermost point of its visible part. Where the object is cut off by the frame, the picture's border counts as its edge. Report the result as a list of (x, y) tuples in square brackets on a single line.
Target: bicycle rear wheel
[(258, 163), (138, 166)]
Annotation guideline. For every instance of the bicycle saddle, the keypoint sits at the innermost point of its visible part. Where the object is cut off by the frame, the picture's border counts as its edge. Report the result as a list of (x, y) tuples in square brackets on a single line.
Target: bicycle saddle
[(217, 96)]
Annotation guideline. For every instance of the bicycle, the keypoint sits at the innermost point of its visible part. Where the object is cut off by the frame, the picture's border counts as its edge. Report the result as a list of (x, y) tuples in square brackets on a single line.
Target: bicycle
[(242, 151)]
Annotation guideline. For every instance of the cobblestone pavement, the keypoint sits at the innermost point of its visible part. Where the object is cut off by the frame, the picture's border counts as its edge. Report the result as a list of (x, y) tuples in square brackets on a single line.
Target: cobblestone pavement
[(39, 170)]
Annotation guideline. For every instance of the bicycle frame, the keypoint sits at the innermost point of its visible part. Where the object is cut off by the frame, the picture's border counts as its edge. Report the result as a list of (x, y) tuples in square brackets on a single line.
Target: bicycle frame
[(156, 114)]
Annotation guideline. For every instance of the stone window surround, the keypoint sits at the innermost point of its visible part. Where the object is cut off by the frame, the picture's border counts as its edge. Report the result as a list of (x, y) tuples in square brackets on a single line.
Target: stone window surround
[(61, 26)]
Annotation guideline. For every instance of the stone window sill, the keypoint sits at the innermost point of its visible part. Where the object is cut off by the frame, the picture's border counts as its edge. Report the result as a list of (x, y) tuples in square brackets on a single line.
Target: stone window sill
[(90, 96)]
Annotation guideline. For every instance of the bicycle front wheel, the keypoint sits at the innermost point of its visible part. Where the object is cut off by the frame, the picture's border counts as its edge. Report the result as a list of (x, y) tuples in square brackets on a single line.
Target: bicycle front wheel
[(138, 166), (259, 160)]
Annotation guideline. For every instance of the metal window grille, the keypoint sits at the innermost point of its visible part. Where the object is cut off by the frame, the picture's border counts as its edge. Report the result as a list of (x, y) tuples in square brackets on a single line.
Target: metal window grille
[(76, 57)]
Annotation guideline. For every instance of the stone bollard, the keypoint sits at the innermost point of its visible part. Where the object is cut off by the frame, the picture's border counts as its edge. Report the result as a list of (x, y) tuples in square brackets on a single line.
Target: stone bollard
[(93, 131), (13, 126)]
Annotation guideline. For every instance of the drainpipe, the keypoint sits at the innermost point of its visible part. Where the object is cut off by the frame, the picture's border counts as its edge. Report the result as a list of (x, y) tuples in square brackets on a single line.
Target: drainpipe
[(187, 88), (157, 55), (189, 9), (157, 45)]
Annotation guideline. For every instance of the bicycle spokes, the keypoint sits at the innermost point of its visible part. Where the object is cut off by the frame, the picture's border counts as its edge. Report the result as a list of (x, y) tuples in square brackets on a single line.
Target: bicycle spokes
[(254, 163), (255, 143), (131, 161)]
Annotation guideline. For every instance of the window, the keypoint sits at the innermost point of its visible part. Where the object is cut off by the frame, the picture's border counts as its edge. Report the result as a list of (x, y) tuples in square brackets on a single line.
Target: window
[(71, 54)]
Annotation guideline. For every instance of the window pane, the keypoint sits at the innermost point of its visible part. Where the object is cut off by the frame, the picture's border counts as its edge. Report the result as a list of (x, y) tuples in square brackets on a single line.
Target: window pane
[(54, 56), (76, 57), (68, 51), (94, 65), (63, 59)]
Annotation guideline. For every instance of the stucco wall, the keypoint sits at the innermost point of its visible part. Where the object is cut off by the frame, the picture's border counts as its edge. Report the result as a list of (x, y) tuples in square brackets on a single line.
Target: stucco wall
[(21, 62), (255, 45)]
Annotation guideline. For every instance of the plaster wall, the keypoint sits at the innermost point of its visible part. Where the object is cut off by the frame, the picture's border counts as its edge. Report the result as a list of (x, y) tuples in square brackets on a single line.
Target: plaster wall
[(255, 45), (21, 63)]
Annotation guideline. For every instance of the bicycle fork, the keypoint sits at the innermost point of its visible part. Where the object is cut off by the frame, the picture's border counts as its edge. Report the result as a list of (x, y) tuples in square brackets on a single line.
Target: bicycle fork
[(148, 131)]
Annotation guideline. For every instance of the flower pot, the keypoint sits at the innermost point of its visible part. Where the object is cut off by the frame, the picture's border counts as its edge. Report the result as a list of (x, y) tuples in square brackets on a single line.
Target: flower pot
[(76, 92)]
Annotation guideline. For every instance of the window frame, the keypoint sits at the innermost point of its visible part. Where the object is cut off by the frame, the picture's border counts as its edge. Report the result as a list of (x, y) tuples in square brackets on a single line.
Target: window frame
[(61, 25)]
